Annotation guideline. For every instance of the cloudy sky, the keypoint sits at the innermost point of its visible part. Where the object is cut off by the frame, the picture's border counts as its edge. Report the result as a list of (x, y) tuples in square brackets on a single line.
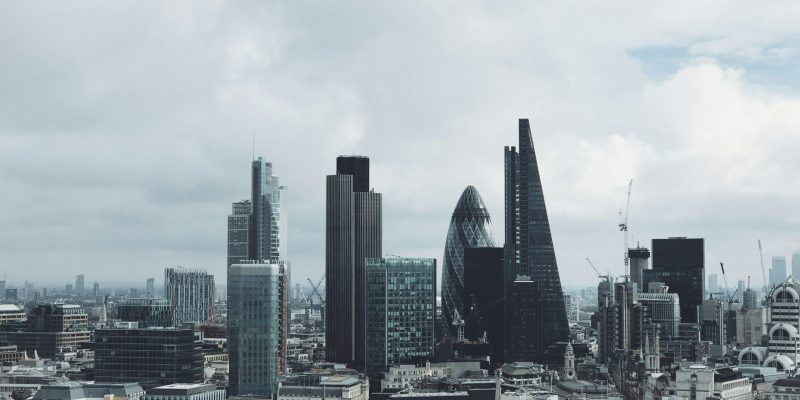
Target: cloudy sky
[(126, 128)]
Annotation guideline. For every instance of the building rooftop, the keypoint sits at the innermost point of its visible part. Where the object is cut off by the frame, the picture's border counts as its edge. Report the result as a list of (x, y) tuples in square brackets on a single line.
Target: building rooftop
[(182, 389), (9, 308)]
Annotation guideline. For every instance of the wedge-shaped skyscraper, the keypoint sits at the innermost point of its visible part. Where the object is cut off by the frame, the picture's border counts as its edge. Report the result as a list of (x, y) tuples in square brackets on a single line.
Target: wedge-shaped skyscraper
[(529, 244), (470, 226)]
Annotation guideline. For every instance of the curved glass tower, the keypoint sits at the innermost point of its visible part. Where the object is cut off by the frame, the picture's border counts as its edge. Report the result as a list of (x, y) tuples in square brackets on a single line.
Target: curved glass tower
[(470, 226)]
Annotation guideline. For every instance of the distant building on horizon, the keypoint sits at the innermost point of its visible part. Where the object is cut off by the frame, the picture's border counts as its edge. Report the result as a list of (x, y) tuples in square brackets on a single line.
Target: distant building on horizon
[(400, 307), (190, 293), (353, 233), (529, 248), (79, 284), (713, 283), (796, 264), (470, 226), (151, 285), (777, 273)]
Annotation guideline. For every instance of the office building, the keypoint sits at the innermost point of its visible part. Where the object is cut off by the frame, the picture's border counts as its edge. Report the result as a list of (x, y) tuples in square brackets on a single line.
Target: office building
[(664, 309), (523, 321), (353, 233), (483, 293), (713, 283), (400, 307), (150, 288), (470, 226), (796, 264), (239, 232), (90, 391), (267, 239), (777, 273), (529, 243), (147, 312), (740, 288), (79, 284), (314, 386), (255, 306), (701, 382), (190, 293), (68, 290), (679, 263), (186, 391), (51, 329), (95, 290), (713, 321), (151, 357), (639, 258), (750, 326), (11, 314)]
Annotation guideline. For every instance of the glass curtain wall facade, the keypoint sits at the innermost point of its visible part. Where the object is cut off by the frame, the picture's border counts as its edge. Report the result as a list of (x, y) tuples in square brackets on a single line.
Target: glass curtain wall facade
[(529, 243), (254, 337), (400, 311), (470, 226)]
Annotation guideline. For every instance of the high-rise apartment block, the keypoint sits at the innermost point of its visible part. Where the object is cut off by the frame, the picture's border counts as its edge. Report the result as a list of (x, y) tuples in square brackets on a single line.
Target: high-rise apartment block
[(470, 226), (353, 233), (529, 246), (679, 263), (190, 293), (400, 305), (255, 329)]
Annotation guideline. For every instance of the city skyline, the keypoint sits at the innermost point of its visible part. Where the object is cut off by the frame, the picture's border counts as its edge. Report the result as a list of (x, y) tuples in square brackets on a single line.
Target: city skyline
[(152, 150)]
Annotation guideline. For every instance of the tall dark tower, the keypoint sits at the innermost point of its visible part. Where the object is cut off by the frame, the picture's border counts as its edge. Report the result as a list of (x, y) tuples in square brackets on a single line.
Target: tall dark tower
[(680, 263), (529, 243), (265, 240), (353, 233)]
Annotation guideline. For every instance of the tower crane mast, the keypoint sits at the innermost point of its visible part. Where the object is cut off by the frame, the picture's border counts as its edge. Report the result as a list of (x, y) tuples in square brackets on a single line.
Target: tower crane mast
[(623, 223)]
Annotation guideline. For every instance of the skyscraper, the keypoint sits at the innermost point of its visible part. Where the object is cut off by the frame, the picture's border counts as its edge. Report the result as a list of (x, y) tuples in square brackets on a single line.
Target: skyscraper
[(239, 232), (777, 274), (639, 261), (353, 233), (254, 306), (151, 285), (401, 311), (191, 294), (529, 243), (470, 226), (796, 264), (483, 292), (713, 283), (79, 284), (679, 263), (267, 214)]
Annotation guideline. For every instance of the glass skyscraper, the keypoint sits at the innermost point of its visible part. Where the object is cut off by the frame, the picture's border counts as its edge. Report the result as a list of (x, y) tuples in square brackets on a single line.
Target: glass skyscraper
[(470, 226), (679, 263), (254, 328), (400, 311), (529, 245)]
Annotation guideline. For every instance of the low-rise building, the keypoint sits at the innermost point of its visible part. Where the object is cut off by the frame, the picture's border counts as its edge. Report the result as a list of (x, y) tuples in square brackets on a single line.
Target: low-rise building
[(406, 375), (699, 381), (318, 387), (786, 389), (186, 391), (90, 391)]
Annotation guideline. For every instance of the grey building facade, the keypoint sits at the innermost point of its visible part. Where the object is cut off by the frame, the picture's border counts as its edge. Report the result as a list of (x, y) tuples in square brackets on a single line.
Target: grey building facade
[(190, 293), (400, 311), (529, 243), (353, 233), (470, 226)]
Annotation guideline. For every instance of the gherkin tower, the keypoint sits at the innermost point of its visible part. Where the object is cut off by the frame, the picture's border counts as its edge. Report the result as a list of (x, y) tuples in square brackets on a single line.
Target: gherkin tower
[(470, 226)]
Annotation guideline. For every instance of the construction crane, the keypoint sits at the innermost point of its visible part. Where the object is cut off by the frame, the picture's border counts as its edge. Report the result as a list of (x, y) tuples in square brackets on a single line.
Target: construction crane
[(315, 288), (623, 223), (599, 275), (763, 270), (731, 298)]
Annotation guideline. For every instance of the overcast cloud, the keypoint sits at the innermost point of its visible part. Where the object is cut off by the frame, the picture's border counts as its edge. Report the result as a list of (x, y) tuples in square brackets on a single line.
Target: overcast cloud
[(126, 127)]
